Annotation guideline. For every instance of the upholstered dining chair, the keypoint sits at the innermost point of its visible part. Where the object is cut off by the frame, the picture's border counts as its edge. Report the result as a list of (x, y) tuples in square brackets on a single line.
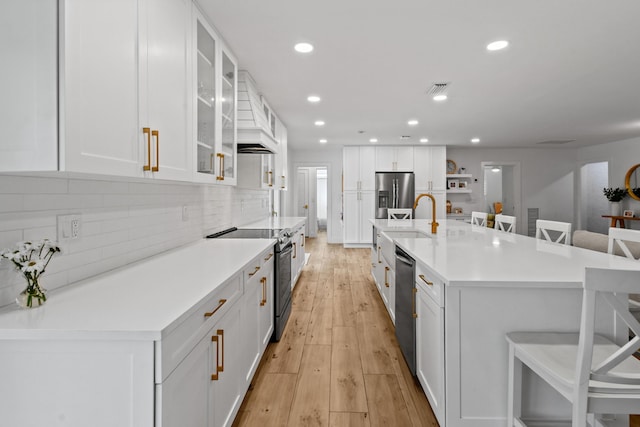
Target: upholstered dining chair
[(593, 373)]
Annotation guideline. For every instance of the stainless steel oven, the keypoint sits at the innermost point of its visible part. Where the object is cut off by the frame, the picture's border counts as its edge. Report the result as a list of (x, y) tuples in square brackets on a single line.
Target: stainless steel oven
[(282, 269)]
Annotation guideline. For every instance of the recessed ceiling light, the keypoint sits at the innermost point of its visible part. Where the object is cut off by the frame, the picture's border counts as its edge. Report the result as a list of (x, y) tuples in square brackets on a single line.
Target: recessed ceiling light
[(475, 140), (313, 98), (319, 123), (323, 141), (373, 140), (424, 140), (497, 45), (440, 97), (412, 122), (303, 47)]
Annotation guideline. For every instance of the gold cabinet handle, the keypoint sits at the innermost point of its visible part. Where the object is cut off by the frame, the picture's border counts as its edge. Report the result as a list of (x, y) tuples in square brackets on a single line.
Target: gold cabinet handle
[(156, 133), (269, 257), (220, 367), (220, 304), (264, 291), (221, 176), (386, 280), (147, 166), (214, 376), (283, 182), (302, 244), (379, 249), (295, 250), (270, 178), (254, 272), (413, 303), (425, 280)]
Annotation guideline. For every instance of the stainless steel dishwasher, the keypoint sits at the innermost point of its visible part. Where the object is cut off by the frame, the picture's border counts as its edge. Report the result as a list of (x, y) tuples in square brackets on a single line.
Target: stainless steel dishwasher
[(405, 307)]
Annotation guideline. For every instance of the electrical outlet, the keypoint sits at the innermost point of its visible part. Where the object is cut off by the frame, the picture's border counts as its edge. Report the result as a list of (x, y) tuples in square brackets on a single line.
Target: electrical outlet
[(69, 227), (185, 213)]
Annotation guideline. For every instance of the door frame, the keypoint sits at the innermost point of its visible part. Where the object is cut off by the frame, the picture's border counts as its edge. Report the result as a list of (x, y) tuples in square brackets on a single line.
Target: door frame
[(517, 187), (294, 198)]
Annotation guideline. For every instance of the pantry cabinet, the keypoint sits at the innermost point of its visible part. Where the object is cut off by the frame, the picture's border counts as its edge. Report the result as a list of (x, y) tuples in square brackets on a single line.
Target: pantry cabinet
[(429, 165), (394, 159), (125, 98), (358, 210), (359, 168)]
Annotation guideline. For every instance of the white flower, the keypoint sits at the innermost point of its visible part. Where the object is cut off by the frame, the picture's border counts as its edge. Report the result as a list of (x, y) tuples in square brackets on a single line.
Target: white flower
[(33, 267), (25, 247), (15, 256), (47, 245)]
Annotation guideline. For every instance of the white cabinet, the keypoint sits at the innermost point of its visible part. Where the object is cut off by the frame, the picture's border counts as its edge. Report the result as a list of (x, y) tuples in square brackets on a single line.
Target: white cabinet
[(125, 106), (215, 106), (358, 168), (256, 171), (392, 159), (281, 159), (298, 255), (424, 209), (28, 83), (358, 210), (429, 166), (430, 339)]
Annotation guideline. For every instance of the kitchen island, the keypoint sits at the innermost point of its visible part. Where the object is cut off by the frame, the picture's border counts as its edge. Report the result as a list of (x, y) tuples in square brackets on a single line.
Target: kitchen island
[(478, 284)]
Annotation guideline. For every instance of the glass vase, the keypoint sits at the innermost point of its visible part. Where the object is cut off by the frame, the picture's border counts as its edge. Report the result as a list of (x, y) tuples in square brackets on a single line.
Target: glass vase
[(32, 296)]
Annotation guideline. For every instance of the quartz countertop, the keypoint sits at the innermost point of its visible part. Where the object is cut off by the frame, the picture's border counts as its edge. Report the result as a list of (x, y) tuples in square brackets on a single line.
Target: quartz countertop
[(462, 254), (277, 223), (138, 301)]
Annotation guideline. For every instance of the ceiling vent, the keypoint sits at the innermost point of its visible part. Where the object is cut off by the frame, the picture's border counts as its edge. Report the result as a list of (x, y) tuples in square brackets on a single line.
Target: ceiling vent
[(555, 141), (438, 89), (405, 137)]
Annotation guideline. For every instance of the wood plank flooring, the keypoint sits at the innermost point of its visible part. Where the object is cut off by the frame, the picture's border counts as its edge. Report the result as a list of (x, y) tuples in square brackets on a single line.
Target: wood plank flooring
[(338, 362)]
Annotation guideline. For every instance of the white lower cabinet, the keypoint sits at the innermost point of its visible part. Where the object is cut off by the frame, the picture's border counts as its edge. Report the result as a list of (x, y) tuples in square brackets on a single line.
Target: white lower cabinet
[(298, 255), (430, 340)]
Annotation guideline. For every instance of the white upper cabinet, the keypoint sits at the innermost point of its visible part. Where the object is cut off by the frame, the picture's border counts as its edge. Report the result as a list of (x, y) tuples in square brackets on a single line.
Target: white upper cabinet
[(126, 88), (28, 83), (215, 106), (281, 161), (359, 168), (430, 168), (392, 159)]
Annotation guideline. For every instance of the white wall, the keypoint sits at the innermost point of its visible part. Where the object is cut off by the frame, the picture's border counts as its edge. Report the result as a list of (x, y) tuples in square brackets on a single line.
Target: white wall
[(332, 157), (548, 176), (122, 221)]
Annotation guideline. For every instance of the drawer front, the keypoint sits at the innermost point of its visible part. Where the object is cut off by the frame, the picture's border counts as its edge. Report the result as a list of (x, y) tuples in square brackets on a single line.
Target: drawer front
[(253, 270), (427, 282), (175, 346)]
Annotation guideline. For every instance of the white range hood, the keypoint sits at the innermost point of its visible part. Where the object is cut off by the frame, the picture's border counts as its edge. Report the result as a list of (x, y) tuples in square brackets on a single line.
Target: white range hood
[(255, 132)]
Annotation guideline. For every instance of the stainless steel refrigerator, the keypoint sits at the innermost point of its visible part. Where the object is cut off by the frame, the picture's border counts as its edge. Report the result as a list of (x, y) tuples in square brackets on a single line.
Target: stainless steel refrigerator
[(394, 190)]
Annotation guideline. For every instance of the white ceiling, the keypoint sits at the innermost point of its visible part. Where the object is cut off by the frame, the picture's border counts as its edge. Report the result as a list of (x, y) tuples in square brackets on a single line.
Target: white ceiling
[(571, 72)]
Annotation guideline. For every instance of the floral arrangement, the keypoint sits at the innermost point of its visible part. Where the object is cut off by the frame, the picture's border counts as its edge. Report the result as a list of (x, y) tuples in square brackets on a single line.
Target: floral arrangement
[(614, 194), (31, 259)]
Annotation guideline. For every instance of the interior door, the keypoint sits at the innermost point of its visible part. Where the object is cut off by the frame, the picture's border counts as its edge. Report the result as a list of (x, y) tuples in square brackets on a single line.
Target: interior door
[(302, 196)]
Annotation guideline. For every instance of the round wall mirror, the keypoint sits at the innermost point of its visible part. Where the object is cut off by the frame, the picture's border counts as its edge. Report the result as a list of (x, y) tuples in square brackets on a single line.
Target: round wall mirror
[(631, 182)]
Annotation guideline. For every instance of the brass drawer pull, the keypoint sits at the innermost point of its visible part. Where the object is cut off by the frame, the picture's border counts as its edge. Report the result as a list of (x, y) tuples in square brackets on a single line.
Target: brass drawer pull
[(221, 176), (413, 302), (220, 304), (254, 272), (156, 133), (425, 280), (269, 257), (214, 376), (379, 249), (386, 280), (264, 291)]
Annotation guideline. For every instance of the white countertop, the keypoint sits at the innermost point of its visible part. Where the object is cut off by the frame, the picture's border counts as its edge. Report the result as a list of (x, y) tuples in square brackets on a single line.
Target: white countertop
[(467, 255), (277, 223), (141, 301)]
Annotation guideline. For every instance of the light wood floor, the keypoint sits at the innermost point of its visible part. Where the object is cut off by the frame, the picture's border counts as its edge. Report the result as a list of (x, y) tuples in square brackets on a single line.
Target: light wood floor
[(338, 362)]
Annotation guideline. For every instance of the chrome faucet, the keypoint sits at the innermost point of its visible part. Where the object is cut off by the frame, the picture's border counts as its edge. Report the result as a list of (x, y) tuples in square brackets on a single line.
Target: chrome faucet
[(434, 224)]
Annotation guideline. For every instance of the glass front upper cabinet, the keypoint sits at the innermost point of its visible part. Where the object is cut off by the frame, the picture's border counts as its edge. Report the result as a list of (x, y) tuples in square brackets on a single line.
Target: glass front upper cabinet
[(216, 88)]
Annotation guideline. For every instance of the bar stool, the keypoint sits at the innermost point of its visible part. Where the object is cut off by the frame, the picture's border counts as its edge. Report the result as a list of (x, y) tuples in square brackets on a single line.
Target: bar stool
[(563, 228)]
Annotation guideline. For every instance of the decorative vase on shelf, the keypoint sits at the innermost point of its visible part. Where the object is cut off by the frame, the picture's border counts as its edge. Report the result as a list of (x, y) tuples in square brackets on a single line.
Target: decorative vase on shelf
[(616, 208), (32, 296)]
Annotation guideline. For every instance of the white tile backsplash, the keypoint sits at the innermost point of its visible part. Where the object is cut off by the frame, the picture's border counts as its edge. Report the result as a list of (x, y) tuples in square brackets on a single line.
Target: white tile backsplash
[(121, 222)]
